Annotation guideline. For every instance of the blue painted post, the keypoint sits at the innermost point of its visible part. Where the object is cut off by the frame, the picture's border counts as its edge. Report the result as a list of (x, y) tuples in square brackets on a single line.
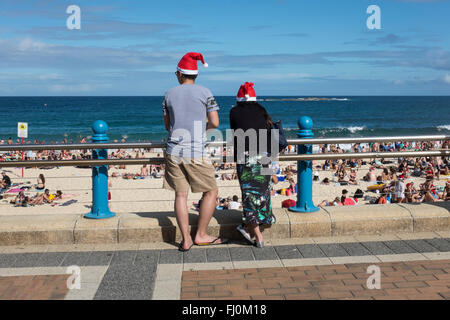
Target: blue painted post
[(100, 209), (304, 169)]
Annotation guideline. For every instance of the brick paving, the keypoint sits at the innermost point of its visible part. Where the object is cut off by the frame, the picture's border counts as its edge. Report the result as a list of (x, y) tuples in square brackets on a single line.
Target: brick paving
[(37, 287), (135, 273), (409, 280)]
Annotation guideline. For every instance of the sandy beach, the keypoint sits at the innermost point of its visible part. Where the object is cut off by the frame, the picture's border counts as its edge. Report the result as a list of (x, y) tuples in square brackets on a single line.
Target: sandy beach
[(147, 195)]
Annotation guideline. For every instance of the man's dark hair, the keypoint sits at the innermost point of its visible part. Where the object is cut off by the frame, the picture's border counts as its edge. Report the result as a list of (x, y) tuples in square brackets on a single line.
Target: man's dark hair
[(235, 198), (189, 76)]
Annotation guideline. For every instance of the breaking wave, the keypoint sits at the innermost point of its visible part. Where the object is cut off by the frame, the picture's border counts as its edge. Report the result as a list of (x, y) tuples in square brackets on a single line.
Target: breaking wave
[(443, 127)]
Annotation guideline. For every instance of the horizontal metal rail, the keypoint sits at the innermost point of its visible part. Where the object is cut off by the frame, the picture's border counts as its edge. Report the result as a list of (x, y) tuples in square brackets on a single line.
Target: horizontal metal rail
[(318, 156), (81, 163), (90, 146), (365, 155), (81, 146), (160, 145), (368, 139)]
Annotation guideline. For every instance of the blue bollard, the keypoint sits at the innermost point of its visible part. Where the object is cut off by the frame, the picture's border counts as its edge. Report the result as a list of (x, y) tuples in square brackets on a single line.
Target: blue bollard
[(304, 169), (100, 209)]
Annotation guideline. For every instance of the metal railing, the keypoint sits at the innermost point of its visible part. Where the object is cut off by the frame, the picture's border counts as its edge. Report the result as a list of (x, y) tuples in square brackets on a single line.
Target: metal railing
[(161, 145), (304, 171), (305, 157)]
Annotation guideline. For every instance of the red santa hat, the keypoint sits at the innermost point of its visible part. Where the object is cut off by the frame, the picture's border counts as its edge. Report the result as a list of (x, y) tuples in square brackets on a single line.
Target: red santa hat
[(188, 64), (246, 92)]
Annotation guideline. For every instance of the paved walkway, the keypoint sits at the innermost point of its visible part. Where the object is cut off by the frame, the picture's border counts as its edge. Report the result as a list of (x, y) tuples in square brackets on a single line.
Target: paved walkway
[(424, 280), (411, 266), (47, 287)]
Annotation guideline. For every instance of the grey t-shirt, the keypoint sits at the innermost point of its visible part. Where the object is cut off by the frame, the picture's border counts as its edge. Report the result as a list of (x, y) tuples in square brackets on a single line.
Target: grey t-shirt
[(187, 106)]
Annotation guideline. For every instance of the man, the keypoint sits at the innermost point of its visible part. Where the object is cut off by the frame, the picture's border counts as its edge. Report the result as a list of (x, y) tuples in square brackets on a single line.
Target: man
[(234, 204), (189, 110), (399, 191), (6, 181)]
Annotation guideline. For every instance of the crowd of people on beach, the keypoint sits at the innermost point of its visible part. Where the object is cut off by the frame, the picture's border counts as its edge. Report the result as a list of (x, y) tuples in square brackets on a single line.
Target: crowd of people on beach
[(21, 192), (391, 184)]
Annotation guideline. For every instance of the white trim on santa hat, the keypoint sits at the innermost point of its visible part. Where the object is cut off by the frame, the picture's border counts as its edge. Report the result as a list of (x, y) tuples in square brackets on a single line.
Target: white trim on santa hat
[(188, 72), (246, 99)]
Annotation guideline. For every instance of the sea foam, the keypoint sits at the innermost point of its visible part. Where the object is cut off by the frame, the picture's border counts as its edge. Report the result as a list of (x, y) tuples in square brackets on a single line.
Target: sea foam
[(443, 127), (355, 128)]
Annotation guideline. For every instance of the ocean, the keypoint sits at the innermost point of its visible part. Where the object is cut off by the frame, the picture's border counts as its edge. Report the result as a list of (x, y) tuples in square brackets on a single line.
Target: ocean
[(140, 118)]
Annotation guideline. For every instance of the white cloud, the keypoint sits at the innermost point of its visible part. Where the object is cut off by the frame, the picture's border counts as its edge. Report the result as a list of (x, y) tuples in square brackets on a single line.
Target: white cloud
[(255, 77), (278, 76), (447, 78), (29, 53), (78, 88), (70, 88), (29, 44)]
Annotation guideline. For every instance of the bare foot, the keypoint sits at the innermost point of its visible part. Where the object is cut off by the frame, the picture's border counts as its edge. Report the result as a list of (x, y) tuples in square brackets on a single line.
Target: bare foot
[(207, 239), (187, 244)]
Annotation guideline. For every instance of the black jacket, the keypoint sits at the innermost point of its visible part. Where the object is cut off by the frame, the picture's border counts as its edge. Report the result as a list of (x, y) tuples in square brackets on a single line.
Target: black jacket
[(250, 115)]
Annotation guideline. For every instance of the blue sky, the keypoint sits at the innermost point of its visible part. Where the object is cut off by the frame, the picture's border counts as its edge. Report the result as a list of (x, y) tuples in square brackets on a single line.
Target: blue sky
[(286, 47)]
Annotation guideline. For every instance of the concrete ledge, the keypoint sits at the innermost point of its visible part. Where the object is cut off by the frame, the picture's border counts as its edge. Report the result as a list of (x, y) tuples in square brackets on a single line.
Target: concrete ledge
[(369, 219), (429, 216), (148, 227), (96, 231), (162, 227), (303, 225), (280, 230), (37, 229)]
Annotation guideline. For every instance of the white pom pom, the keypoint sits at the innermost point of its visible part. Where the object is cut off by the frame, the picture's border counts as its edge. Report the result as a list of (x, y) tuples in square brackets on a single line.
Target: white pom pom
[(206, 65)]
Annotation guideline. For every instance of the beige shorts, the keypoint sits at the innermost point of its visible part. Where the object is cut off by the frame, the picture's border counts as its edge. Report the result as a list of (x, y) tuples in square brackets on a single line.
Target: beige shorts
[(180, 174)]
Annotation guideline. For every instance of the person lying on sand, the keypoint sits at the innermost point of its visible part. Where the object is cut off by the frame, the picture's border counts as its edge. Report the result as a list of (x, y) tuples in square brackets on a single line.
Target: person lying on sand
[(335, 202), (378, 164), (42, 198), (370, 176), (19, 199)]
